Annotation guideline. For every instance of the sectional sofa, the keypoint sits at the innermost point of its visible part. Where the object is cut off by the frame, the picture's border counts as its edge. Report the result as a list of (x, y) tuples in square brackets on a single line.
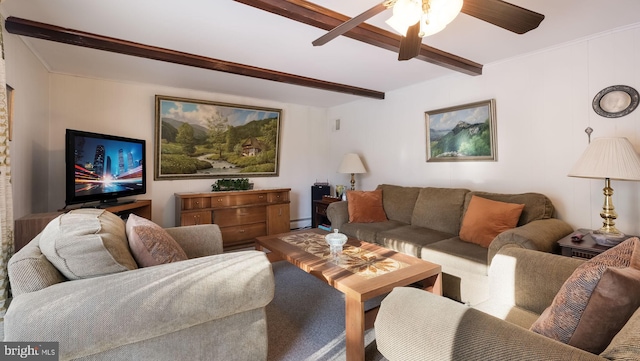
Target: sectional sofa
[(426, 221)]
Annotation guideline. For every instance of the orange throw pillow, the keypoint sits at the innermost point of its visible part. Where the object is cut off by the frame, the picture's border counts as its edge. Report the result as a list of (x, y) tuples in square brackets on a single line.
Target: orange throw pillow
[(365, 206), (485, 219)]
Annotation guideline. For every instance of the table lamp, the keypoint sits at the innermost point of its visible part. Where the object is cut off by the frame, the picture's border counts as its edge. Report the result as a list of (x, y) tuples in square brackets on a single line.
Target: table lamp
[(608, 158), (351, 163)]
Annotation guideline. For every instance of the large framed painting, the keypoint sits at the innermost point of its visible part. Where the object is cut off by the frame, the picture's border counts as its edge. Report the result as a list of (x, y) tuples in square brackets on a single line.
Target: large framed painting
[(462, 133), (204, 139)]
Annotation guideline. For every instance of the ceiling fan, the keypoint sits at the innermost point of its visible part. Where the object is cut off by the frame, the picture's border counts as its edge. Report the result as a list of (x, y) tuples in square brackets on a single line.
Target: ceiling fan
[(422, 19)]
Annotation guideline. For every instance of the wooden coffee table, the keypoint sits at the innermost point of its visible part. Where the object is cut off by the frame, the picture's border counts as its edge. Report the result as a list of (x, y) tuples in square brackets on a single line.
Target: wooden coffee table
[(363, 271)]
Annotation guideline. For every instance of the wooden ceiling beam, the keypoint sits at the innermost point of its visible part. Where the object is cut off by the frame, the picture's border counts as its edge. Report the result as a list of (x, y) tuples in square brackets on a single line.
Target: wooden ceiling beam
[(323, 18), (58, 34)]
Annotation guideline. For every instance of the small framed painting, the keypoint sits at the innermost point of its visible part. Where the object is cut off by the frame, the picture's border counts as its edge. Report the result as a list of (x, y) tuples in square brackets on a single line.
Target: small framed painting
[(204, 139), (462, 133)]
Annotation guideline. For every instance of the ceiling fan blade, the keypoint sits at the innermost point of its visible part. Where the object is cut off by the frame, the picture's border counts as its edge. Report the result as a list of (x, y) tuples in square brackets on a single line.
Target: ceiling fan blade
[(350, 24), (410, 44), (503, 14)]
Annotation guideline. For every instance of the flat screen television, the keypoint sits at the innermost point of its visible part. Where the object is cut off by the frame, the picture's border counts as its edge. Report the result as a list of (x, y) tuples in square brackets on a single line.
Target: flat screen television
[(102, 168)]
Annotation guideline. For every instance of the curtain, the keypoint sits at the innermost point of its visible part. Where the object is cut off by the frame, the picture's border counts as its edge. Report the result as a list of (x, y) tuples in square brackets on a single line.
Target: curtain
[(6, 193)]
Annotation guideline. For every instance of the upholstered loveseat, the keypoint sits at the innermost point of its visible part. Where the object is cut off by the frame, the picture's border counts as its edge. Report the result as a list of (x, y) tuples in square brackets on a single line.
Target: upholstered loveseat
[(417, 325), (426, 222), (208, 307)]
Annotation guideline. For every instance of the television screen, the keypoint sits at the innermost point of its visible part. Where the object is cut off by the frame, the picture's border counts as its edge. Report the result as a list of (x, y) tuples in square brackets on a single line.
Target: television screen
[(102, 167)]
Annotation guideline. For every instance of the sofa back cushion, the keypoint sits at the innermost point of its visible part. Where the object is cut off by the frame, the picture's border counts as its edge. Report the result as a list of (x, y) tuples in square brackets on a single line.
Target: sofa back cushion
[(536, 205), (399, 202), (439, 209), (87, 243), (30, 271)]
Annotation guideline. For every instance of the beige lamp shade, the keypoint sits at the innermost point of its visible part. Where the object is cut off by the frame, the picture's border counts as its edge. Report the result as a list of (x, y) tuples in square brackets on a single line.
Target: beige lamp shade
[(613, 158), (351, 163)]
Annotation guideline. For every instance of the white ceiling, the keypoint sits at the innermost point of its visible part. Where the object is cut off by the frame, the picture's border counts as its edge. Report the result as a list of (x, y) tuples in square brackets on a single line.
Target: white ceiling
[(227, 30)]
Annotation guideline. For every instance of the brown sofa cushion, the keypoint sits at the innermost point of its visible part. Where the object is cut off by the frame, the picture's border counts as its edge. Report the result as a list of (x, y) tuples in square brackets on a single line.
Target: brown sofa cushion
[(596, 301), (485, 219), (365, 206), (439, 209), (150, 244), (536, 205), (399, 202), (87, 243)]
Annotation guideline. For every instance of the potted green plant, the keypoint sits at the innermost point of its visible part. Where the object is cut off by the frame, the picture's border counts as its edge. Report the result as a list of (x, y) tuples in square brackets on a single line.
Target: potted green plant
[(225, 184)]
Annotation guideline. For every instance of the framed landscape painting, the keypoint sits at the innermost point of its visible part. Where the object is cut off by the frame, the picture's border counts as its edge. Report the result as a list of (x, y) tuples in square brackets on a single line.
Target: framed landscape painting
[(462, 133), (203, 139)]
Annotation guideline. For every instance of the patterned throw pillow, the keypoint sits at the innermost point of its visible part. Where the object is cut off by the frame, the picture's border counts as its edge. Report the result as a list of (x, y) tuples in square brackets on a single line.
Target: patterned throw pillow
[(596, 301), (150, 244)]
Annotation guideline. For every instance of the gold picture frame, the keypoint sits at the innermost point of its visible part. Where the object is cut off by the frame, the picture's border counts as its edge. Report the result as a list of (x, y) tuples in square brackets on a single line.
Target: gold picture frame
[(462, 133), (205, 139)]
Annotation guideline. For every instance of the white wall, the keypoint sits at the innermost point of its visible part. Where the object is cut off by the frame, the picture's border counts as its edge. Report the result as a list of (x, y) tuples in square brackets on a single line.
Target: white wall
[(543, 106), (129, 110), (30, 145)]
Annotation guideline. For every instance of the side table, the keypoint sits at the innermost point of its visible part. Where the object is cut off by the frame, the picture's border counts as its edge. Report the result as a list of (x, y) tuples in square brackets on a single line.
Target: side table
[(319, 216), (585, 249)]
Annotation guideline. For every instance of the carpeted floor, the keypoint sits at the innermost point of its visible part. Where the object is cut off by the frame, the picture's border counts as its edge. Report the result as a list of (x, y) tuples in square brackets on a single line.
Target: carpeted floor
[(306, 319)]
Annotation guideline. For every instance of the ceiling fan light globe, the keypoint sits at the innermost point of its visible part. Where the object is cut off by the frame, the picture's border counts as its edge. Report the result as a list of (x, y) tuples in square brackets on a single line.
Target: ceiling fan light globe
[(430, 29), (398, 24), (444, 11), (441, 13), (405, 14)]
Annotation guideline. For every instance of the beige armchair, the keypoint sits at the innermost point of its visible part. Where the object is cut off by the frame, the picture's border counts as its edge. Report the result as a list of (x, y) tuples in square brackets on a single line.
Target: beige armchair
[(209, 307), (417, 325)]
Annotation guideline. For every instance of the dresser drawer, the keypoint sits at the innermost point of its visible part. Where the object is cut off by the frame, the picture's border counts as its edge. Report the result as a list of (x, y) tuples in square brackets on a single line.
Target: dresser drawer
[(240, 234), (277, 197), (196, 203), (237, 216), (238, 200), (193, 218)]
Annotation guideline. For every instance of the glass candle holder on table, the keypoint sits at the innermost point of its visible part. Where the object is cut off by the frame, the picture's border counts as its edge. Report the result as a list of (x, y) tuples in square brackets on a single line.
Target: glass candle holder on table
[(335, 241)]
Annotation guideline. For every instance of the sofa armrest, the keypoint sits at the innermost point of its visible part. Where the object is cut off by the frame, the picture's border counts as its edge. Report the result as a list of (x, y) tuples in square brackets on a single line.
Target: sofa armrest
[(338, 214), (416, 325), (540, 235), (199, 240), (528, 279), (93, 315)]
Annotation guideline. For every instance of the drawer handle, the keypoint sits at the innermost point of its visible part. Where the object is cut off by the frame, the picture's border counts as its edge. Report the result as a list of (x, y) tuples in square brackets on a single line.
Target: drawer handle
[(219, 199), (261, 197), (241, 231)]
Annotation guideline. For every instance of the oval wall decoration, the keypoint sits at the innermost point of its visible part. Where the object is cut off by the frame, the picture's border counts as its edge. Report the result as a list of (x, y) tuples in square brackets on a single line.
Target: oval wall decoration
[(615, 101)]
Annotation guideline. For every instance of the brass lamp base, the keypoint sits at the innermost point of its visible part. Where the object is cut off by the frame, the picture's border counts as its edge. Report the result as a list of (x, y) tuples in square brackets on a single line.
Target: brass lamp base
[(608, 212)]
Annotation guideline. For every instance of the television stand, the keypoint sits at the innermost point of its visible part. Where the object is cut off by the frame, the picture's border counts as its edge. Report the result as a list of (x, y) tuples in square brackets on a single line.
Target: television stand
[(27, 227), (113, 203), (140, 207)]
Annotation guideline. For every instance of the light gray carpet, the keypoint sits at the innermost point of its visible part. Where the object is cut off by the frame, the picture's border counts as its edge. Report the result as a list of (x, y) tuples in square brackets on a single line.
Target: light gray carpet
[(306, 319)]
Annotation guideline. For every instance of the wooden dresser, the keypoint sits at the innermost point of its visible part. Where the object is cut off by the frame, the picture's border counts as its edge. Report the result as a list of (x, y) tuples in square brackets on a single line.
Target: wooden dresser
[(241, 215)]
